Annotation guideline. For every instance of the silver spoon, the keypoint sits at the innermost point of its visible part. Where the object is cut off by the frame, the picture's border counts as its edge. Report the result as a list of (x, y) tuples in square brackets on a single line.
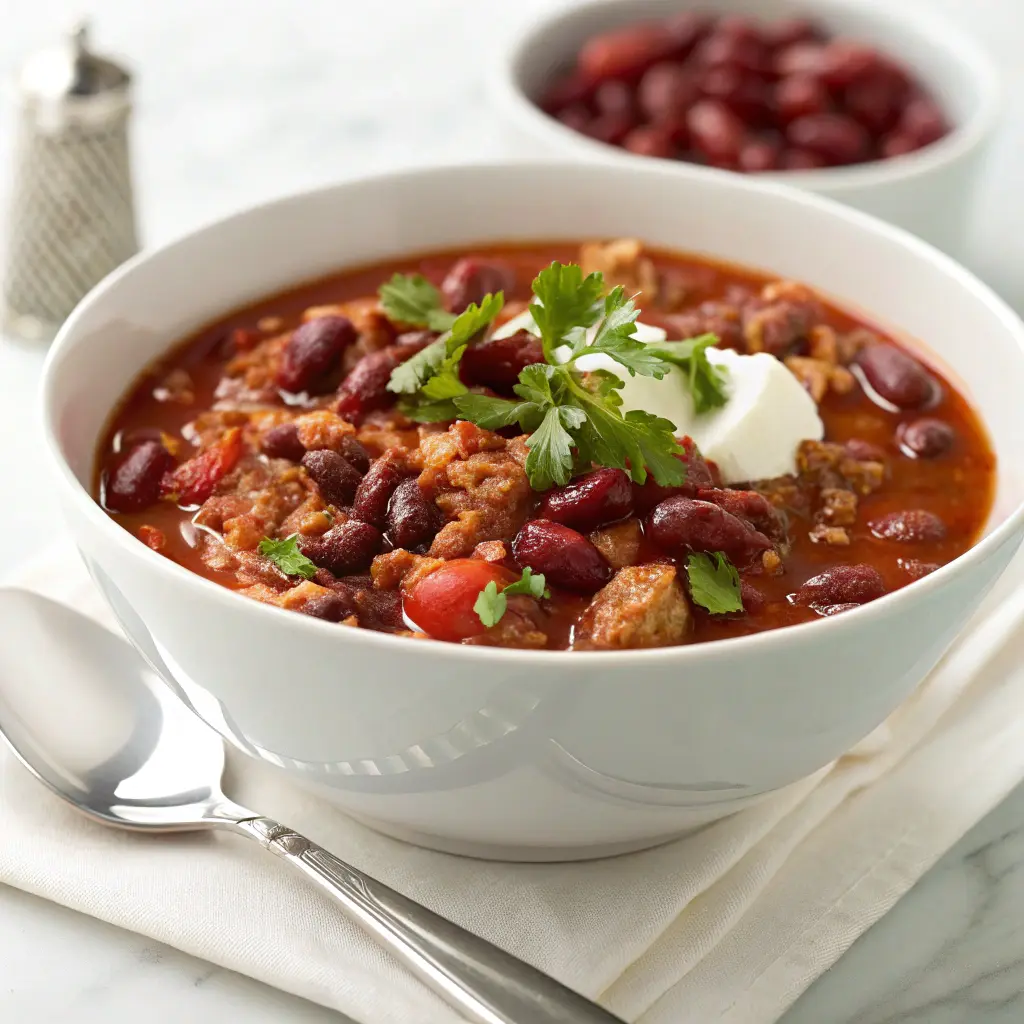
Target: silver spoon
[(83, 712)]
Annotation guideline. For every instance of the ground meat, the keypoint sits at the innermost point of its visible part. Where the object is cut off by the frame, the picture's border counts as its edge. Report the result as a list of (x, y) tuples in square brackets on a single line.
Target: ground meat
[(461, 441), (619, 543), (400, 567), (256, 569), (837, 536), (521, 626), (719, 318), (831, 465), (818, 376), (622, 263), (643, 606), (254, 371), (323, 429), (494, 551)]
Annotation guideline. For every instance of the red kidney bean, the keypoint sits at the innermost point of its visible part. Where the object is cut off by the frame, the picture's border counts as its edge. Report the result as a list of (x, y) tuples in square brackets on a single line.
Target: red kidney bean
[(343, 549), (800, 160), (698, 475), (603, 496), (132, 480), (750, 506), (799, 96), (744, 94), (666, 92), (572, 90), (715, 131), (615, 99), (912, 526), (331, 607), (760, 155), (412, 518), (375, 489), (471, 279), (566, 558), (313, 353), (366, 386), (282, 442), (651, 140), (576, 117), (898, 144), (737, 25), (788, 31), (733, 50), (836, 138), (685, 31), (752, 598), (497, 363), (800, 59), (874, 101), (923, 121), (352, 451), (335, 477), (680, 525), (926, 438), (845, 61), (842, 585), (624, 52), (610, 128), (380, 609), (896, 377), (915, 568)]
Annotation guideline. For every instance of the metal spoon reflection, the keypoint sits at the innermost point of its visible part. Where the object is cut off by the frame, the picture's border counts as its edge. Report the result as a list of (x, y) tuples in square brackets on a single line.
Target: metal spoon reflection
[(83, 712)]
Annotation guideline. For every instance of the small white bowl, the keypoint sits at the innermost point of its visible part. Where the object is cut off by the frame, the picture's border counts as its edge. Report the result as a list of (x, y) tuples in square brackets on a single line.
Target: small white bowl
[(928, 192), (531, 754)]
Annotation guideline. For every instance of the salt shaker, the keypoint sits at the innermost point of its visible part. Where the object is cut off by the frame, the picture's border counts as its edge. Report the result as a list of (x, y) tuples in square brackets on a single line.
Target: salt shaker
[(72, 217)]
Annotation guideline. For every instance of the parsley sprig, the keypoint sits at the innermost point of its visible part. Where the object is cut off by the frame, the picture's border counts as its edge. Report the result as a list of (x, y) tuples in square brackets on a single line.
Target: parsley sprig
[(714, 582), (285, 554), (412, 299), (492, 603)]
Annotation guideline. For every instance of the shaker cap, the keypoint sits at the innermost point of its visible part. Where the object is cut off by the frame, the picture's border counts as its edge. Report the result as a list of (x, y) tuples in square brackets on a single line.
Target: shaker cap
[(71, 82)]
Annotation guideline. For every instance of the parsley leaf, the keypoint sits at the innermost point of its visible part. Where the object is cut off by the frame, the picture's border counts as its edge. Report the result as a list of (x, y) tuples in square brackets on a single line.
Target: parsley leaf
[(423, 411), (567, 301), (412, 299), (706, 381), (714, 583), (491, 603), (550, 461), (408, 377), (285, 554), (495, 413)]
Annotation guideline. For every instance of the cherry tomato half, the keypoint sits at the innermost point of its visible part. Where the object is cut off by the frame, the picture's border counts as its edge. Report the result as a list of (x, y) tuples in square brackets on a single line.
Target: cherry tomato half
[(441, 604)]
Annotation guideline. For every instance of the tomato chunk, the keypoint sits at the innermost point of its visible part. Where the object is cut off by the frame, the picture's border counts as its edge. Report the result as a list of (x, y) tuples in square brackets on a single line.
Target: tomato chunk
[(441, 603), (194, 481)]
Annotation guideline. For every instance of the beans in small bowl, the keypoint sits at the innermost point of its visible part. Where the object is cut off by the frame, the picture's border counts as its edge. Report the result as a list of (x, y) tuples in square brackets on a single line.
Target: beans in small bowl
[(742, 94)]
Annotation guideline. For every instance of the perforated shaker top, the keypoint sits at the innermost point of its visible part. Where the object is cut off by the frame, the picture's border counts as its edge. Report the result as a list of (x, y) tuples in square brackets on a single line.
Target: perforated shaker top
[(71, 218)]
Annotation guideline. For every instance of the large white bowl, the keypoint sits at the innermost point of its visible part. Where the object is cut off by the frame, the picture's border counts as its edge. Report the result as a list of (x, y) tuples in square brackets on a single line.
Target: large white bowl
[(929, 192), (516, 753)]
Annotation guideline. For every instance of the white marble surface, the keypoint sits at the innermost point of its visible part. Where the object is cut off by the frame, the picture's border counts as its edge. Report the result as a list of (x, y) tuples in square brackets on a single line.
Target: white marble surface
[(244, 99)]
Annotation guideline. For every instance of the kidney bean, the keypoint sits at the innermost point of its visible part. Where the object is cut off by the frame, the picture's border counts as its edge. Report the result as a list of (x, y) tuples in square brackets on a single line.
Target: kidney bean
[(680, 525), (926, 438), (874, 101), (603, 496), (800, 59), (375, 489), (666, 92), (912, 526), (195, 480), (752, 598), (343, 549), (923, 121), (335, 477), (412, 518), (898, 144), (760, 155), (716, 132), (836, 138), (380, 610), (572, 90), (576, 117), (788, 32), (566, 558), (471, 279), (656, 140), (416, 340), (698, 475), (615, 99), (896, 377), (685, 31), (845, 61), (331, 607), (624, 52), (497, 363), (744, 94), (750, 506), (131, 482), (733, 50), (610, 128), (282, 442), (799, 96), (842, 585), (915, 568), (366, 386), (800, 160), (313, 353)]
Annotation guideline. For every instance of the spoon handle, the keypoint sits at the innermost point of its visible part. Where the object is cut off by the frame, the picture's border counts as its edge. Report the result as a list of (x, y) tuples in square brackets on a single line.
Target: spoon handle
[(485, 984)]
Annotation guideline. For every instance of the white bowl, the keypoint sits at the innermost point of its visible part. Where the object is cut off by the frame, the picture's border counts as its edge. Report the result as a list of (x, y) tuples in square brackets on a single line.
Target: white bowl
[(517, 753), (929, 192)]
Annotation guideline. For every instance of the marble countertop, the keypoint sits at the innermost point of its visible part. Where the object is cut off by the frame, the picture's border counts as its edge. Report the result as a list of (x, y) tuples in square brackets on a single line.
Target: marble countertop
[(241, 101)]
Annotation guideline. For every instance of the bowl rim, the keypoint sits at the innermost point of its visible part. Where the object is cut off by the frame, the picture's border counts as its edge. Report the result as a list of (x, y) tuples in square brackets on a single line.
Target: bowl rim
[(85, 504), (966, 136)]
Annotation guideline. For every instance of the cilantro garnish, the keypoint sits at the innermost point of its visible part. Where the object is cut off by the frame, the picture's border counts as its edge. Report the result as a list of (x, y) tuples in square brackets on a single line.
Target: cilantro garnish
[(491, 603), (285, 554), (714, 583), (412, 299), (706, 381)]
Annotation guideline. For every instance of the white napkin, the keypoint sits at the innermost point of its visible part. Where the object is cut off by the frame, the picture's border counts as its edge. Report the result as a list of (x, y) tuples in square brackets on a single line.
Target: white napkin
[(730, 924)]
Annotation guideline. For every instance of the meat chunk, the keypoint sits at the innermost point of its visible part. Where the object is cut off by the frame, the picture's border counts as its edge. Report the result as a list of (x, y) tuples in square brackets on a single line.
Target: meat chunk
[(643, 606), (521, 626), (399, 568), (619, 543), (622, 263), (323, 429)]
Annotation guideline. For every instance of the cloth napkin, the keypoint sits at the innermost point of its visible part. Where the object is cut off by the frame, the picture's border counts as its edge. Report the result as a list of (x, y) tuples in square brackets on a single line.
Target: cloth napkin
[(730, 924)]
